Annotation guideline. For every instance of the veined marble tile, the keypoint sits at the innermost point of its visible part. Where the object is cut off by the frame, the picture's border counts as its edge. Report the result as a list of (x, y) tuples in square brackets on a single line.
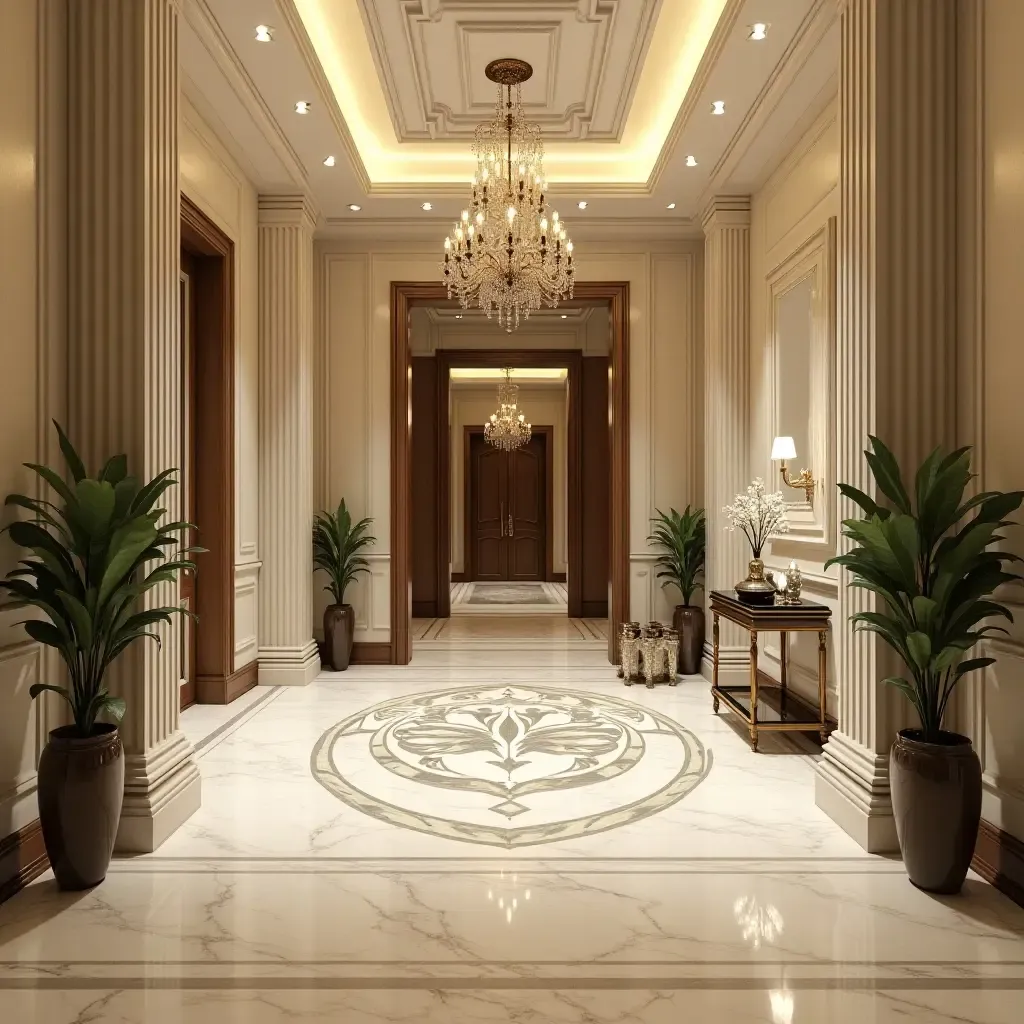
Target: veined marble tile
[(738, 902)]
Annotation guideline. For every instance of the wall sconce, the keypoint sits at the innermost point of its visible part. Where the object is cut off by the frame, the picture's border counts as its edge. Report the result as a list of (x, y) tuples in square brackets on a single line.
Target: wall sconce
[(783, 448)]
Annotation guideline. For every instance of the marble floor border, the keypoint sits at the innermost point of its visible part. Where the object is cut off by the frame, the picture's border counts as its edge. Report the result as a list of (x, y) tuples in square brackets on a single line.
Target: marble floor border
[(432, 982), (318, 864), (219, 734)]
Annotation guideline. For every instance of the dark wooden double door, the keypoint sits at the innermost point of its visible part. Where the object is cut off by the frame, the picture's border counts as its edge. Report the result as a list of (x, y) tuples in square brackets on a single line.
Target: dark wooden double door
[(507, 510)]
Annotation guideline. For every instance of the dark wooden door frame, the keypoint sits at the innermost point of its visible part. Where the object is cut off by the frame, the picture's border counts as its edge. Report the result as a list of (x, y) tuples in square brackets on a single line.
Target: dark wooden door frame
[(404, 296), (217, 682), (545, 431), (569, 359)]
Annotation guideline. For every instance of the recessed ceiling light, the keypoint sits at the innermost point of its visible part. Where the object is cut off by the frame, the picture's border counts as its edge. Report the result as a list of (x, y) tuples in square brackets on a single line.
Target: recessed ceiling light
[(303, 107), (458, 316), (718, 107), (582, 204), (671, 206), (354, 207), (329, 161), (264, 34), (759, 31), (691, 161), (427, 206), (565, 316)]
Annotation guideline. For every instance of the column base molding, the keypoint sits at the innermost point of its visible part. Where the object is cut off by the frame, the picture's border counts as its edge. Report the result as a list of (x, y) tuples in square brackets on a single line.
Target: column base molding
[(733, 665), (851, 786), (162, 790), (289, 666)]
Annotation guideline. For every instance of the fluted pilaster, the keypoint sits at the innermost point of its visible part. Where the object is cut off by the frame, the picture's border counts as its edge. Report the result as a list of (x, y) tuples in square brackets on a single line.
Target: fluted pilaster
[(896, 351), (124, 348), (726, 401), (287, 651)]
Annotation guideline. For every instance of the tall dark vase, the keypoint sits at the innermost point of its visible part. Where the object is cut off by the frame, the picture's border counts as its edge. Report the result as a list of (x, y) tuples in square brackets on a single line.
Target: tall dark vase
[(339, 630), (688, 621), (936, 801), (81, 788)]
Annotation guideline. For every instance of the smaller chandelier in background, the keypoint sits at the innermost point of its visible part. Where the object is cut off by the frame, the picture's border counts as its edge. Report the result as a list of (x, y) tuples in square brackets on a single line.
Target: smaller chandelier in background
[(507, 428)]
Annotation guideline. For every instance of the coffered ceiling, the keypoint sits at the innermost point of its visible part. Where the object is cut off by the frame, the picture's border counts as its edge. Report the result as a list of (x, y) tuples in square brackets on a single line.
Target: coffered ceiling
[(622, 89), (431, 55)]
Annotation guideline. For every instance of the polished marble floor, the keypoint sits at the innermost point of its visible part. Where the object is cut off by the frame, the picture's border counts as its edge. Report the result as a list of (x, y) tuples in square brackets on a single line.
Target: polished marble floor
[(488, 836)]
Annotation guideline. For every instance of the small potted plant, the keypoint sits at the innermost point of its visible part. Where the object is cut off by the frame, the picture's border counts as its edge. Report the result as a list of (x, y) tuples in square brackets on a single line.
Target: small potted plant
[(95, 552), (681, 564), (759, 514), (933, 561), (336, 550)]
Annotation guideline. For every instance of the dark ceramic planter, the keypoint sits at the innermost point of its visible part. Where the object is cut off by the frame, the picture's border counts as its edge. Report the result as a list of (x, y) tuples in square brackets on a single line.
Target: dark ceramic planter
[(688, 621), (936, 800), (339, 629), (81, 786)]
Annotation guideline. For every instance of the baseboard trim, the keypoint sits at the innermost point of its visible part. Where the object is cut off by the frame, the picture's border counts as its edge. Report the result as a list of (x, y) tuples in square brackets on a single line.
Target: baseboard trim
[(371, 654), (459, 577), (593, 609), (22, 859), (999, 859), (225, 689), (424, 609), (560, 577)]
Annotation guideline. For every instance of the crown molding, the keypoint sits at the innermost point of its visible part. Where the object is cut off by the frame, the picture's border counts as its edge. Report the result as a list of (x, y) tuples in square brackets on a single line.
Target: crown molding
[(719, 39), (433, 230), (819, 20), (202, 21), (307, 52)]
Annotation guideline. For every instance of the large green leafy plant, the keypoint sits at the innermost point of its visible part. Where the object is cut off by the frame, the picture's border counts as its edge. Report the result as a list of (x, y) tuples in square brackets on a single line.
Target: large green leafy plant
[(337, 544), (682, 540), (94, 553), (934, 562)]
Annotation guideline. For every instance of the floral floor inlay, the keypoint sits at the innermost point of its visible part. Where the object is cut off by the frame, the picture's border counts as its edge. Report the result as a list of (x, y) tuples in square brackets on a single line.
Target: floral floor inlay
[(509, 766)]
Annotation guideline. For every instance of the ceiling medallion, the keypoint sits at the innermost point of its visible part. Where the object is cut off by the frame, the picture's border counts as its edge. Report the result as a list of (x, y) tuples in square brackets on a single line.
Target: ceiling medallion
[(504, 255), (507, 428)]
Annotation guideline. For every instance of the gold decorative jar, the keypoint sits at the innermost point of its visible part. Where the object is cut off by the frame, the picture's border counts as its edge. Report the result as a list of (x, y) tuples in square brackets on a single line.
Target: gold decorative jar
[(756, 589)]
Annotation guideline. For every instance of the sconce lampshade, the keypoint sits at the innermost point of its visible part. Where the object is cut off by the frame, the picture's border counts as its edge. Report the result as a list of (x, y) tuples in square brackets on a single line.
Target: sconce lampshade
[(783, 448)]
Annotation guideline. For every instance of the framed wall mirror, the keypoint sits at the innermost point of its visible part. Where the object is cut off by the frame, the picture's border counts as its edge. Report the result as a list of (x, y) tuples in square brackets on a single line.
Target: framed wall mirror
[(801, 347)]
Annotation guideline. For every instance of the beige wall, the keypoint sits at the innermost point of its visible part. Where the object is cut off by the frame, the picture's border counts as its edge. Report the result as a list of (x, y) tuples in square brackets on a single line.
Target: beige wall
[(352, 405), (216, 184), (993, 418), (794, 204), (32, 296), (542, 406)]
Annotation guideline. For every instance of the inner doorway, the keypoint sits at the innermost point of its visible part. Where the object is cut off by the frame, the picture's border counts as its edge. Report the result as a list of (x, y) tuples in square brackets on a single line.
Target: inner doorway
[(508, 503)]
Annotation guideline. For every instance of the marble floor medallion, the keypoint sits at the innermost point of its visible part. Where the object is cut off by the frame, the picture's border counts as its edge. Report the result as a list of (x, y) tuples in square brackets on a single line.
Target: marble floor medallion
[(509, 766)]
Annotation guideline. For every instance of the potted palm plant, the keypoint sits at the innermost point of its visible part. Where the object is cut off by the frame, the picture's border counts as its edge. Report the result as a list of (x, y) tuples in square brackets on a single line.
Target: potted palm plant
[(681, 564), (337, 547), (934, 563), (94, 553)]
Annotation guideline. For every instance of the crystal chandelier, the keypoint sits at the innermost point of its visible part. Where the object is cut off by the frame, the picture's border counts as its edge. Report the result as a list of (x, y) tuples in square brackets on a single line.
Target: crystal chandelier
[(504, 255), (507, 428)]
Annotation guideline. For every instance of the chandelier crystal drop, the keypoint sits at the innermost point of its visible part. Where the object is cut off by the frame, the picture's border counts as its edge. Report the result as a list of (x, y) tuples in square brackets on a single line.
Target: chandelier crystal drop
[(507, 428), (505, 255)]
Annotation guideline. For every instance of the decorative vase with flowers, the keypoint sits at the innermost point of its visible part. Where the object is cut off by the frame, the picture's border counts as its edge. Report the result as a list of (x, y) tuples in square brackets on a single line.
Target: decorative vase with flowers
[(759, 514)]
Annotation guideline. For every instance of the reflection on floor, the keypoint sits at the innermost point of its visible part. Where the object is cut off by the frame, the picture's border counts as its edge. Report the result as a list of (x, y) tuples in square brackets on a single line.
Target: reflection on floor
[(485, 838), (516, 598)]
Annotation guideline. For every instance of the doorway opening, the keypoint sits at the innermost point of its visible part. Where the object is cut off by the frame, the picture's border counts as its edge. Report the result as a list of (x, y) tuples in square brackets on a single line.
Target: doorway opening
[(563, 553), (207, 473)]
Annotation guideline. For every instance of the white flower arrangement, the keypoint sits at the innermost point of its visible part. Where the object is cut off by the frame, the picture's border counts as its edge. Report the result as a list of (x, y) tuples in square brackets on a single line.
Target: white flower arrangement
[(758, 514)]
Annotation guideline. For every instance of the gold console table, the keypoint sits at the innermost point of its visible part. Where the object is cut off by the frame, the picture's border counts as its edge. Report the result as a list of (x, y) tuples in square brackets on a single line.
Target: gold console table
[(772, 705)]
